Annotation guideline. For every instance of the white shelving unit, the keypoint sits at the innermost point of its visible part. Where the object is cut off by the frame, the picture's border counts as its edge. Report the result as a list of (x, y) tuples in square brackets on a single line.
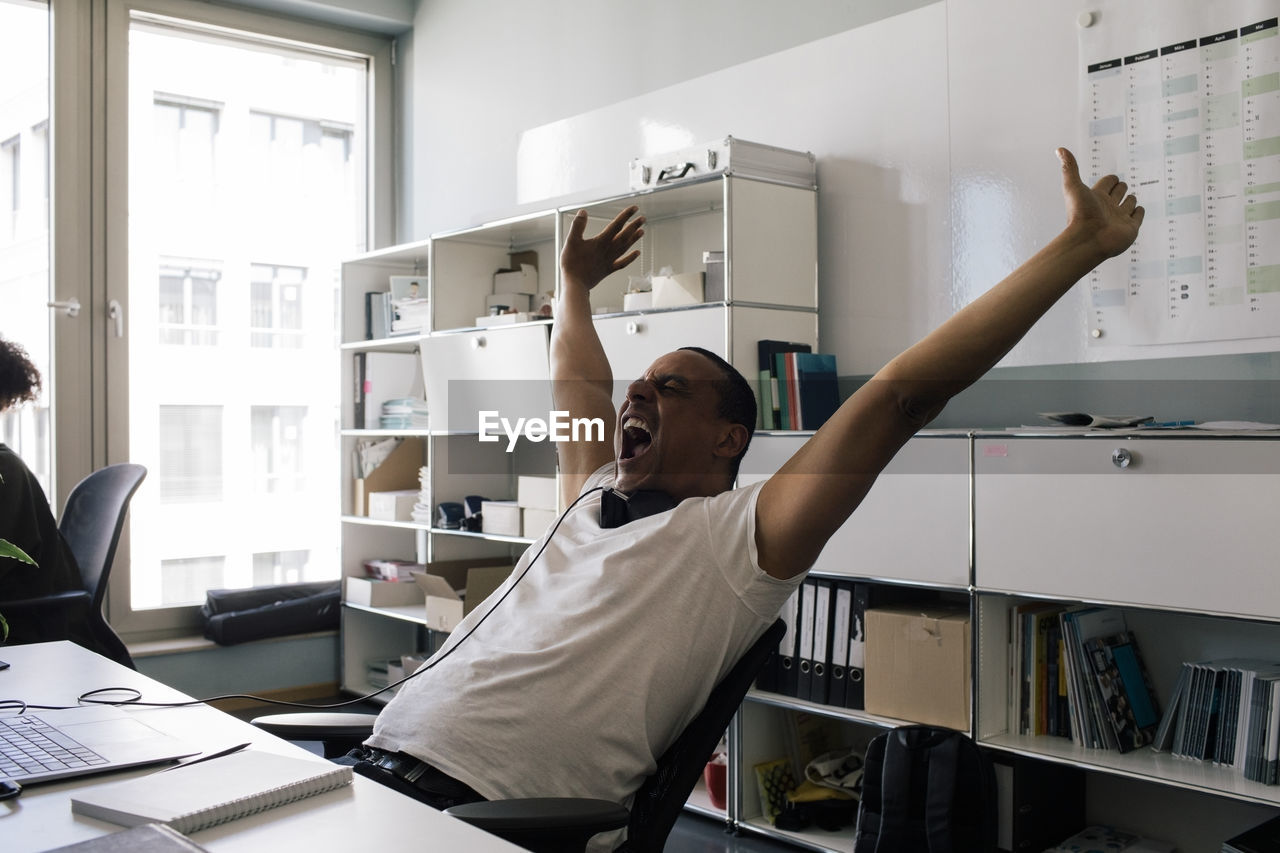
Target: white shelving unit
[(1178, 532), (768, 234)]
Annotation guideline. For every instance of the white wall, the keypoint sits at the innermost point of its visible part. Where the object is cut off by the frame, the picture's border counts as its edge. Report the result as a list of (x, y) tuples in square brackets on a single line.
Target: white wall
[(934, 125)]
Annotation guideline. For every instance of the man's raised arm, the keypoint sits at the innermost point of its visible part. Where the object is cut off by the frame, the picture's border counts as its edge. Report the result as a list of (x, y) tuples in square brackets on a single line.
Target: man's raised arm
[(581, 380), (803, 504)]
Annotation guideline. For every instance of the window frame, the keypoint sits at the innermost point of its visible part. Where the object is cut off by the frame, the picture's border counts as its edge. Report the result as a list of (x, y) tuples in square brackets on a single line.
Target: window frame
[(90, 164)]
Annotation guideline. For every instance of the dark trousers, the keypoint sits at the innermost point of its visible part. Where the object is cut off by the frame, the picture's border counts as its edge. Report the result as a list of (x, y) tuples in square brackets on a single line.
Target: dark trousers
[(410, 777)]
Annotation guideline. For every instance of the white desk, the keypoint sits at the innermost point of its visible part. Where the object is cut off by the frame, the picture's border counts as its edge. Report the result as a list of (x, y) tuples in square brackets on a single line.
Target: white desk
[(365, 816)]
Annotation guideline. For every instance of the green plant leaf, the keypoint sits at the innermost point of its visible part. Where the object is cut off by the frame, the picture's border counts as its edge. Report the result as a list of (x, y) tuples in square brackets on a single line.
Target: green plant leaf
[(8, 549)]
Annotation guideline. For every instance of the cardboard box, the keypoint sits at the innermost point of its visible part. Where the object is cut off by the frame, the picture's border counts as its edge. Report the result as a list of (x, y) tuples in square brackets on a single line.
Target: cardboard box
[(376, 593), (537, 492), (398, 471), (522, 280), (534, 522), (452, 589), (918, 664), (500, 517), (393, 506)]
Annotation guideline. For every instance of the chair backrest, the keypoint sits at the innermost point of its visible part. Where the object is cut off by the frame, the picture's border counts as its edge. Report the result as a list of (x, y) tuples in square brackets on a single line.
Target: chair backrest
[(93, 518), (661, 798)]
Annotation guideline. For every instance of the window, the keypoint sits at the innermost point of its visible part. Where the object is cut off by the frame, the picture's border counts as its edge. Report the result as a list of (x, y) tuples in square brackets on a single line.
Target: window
[(277, 567), (188, 306), (185, 580), (40, 133), (248, 145), (11, 151), (278, 451), (275, 306), (190, 454), (186, 129)]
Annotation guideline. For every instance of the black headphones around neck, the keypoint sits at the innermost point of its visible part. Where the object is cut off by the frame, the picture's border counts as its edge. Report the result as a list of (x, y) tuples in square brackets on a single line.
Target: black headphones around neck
[(617, 509)]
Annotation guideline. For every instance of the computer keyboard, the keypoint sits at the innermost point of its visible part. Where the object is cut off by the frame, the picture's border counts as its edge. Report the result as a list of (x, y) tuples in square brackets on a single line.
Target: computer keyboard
[(30, 745)]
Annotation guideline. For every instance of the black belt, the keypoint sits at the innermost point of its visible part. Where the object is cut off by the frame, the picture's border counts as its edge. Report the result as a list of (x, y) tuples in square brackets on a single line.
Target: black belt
[(421, 775), (399, 764)]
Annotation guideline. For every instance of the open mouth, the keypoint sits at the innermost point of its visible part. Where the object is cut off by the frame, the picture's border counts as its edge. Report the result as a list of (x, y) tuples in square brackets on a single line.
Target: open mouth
[(635, 438)]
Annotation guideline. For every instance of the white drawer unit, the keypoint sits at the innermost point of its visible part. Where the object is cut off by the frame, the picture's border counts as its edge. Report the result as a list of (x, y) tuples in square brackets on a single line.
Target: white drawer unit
[(502, 370), (924, 488), (1182, 523)]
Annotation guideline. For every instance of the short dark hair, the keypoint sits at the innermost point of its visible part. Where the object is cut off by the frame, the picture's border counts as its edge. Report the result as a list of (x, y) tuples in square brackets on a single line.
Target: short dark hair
[(19, 377), (737, 400)]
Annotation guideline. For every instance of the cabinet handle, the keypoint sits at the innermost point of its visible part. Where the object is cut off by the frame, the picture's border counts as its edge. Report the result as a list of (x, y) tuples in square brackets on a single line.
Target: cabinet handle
[(674, 172), (477, 342), (1121, 458), (634, 328)]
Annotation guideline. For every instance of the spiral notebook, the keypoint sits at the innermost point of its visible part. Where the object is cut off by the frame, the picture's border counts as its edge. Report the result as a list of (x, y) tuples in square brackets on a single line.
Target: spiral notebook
[(212, 792)]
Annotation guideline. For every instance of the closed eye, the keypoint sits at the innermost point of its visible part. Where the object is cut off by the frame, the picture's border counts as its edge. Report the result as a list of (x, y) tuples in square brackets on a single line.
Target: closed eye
[(671, 384)]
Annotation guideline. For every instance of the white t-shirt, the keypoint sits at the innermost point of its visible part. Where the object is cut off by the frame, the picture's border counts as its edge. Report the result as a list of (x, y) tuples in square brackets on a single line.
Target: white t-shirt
[(599, 656)]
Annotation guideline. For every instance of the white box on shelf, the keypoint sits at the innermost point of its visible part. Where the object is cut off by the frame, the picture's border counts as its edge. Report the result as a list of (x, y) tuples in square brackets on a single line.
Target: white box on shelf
[(393, 506), (673, 291), (536, 492), (522, 302), (503, 319), (377, 593), (640, 300), (500, 517), (534, 522)]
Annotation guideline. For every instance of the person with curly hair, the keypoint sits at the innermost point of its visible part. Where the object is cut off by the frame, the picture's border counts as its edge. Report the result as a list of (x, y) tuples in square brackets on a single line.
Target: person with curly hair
[(27, 521)]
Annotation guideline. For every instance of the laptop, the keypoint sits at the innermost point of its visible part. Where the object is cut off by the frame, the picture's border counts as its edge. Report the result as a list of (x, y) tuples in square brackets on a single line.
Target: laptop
[(40, 746)]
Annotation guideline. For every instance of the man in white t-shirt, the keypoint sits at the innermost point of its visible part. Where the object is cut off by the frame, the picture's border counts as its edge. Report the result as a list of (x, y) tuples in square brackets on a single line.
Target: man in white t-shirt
[(611, 631)]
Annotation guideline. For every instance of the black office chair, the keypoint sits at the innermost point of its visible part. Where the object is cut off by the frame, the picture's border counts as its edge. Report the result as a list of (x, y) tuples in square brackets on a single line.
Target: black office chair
[(565, 825), (91, 523)]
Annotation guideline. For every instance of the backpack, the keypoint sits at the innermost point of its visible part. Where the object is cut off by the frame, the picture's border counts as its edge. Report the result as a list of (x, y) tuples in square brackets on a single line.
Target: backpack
[(926, 788)]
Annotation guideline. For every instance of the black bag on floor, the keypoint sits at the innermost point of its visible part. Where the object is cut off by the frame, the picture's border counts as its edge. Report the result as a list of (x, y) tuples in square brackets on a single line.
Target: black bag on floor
[(234, 616), (926, 789)]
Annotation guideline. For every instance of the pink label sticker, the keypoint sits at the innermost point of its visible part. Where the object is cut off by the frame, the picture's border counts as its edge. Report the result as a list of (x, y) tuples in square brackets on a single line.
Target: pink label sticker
[(995, 450)]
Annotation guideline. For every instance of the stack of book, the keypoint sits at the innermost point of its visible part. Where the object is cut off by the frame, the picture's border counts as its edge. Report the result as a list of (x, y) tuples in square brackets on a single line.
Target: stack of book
[(798, 387), (1039, 680), (421, 512), (403, 413), (410, 315), (1226, 711), (1079, 674)]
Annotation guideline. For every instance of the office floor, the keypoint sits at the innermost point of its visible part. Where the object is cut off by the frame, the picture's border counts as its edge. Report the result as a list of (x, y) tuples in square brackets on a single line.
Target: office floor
[(696, 834), (691, 834)]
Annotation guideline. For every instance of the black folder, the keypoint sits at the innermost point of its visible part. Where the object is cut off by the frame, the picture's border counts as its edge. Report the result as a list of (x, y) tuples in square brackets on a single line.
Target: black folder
[(821, 673), (841, 608), (804, 654), (855, 690), (788, 672)]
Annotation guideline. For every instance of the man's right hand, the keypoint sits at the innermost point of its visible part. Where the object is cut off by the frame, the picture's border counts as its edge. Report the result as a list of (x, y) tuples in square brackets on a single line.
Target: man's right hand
[(586, 261)]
